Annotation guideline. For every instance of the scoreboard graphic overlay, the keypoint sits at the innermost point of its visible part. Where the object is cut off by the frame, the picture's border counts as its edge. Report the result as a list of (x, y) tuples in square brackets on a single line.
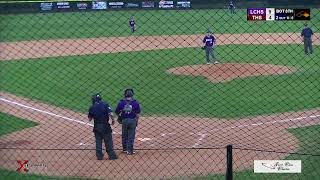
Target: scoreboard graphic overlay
[(277, 14)]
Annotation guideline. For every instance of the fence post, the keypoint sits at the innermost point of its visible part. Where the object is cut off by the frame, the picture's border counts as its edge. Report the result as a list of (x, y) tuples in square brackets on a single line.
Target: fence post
[(229, 162)]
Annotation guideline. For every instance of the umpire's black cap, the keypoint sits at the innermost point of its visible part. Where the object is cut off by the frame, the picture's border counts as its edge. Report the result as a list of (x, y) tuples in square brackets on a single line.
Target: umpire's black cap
[(96, 97)]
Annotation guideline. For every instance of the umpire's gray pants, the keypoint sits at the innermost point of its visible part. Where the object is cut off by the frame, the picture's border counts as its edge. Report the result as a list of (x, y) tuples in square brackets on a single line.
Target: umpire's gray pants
[(308, 45), (209, 54)]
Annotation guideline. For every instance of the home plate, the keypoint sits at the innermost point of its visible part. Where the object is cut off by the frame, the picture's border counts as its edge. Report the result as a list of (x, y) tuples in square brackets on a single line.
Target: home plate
[(144, 139)]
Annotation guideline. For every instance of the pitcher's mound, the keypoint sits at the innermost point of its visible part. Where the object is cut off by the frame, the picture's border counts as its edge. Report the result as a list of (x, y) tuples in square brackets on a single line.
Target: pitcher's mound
[(229, 71)]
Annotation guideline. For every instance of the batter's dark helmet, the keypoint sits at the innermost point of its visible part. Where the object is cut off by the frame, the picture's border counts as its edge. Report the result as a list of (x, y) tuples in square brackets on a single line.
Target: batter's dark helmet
[(128, 93), (96, 98)]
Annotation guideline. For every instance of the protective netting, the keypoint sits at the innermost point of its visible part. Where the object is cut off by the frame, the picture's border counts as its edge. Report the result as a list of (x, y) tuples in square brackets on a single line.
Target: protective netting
[(262, 95)]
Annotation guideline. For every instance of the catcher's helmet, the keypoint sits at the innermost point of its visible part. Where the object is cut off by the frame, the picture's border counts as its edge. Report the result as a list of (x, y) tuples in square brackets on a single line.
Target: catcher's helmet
[(128, 93), (96, 98)]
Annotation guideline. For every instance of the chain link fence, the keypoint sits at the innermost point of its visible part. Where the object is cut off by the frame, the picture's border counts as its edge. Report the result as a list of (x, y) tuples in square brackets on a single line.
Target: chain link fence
[(198, 120)]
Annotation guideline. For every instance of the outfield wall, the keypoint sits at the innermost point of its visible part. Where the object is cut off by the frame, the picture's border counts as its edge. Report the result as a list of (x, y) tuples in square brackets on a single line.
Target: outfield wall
[(72, 6)]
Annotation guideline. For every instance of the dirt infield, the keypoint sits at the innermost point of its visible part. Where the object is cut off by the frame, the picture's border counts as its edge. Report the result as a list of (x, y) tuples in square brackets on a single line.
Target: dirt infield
[(157, 136), (64, 129), (73, 47), (228, 71)]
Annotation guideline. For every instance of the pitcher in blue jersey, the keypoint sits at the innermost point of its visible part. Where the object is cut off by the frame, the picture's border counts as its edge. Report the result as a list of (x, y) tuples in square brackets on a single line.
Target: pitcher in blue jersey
[(209, 44)]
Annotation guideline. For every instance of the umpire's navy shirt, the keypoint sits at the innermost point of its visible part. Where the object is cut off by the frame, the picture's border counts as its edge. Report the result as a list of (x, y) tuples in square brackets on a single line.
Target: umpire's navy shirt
[(99, 111), (307, 32)]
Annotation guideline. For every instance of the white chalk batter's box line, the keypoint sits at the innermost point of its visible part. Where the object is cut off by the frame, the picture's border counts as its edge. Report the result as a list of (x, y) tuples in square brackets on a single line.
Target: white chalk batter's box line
[(202, 135)]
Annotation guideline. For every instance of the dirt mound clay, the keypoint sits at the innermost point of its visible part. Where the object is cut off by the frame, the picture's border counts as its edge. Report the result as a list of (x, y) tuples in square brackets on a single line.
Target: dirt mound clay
[(229, 71)]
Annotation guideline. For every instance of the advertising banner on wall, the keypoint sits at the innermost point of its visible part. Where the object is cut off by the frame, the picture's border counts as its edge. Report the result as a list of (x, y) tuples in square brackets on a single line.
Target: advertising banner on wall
[(116, 5), (46, 6), (132, 5), (82, 6), (147, 4), (165, 4), (63, 5), (99, 5), (183, 4)]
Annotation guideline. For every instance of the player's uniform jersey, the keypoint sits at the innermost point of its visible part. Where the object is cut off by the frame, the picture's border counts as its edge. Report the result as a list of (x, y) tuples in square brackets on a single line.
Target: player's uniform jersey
[(132, 23), (209, 41), (128, 109), (307, 32)]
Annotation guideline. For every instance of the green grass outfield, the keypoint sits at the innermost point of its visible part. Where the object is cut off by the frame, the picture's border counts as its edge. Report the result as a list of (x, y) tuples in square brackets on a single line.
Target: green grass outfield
[(9, 124), (9, 175), (151, 22), (70, 81)]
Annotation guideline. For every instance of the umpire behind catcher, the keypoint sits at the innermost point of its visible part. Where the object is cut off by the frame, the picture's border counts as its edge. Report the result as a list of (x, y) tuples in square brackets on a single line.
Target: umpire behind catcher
[(100, 112), (128, 110)]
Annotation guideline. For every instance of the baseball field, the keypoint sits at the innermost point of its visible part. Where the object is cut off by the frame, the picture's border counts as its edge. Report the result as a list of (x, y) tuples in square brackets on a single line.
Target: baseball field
[(263, 97)]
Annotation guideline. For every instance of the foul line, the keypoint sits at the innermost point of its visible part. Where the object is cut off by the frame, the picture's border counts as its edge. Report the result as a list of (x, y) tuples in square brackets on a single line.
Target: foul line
[(206, 133), (266, 123), (45, 112), (202, 136)]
